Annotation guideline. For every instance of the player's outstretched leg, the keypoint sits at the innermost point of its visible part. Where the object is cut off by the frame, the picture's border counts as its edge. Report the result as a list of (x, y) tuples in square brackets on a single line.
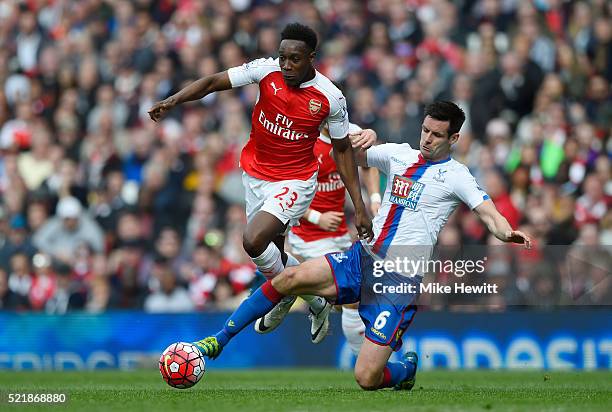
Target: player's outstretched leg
[(374, 371), (256, 305), (310, 277)]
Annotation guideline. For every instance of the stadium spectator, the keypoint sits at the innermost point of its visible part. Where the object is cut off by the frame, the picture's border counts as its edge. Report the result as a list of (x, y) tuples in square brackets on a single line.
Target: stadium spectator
[(20, 280), (497, 189), (17, 240), (394, 125), (37, 214), (76, 81), (67, 296), (593, 204), (170, 298), (36, 165), (43, 281), (67, 230)]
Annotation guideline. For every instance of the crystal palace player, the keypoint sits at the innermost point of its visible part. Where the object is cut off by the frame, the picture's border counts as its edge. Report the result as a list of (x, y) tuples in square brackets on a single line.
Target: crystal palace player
[(323, 230), (280, 169), (423, 189)]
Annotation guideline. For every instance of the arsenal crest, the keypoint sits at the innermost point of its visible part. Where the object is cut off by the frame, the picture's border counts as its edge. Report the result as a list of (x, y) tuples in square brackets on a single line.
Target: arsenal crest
[(314, 106)]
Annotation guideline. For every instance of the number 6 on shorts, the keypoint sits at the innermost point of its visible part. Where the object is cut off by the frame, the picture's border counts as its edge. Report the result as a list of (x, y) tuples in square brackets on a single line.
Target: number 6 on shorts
[(381, 320)]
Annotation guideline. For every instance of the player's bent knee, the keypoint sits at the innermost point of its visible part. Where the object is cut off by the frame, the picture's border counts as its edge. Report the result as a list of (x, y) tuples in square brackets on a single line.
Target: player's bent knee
[(367, 379), (252, 244)]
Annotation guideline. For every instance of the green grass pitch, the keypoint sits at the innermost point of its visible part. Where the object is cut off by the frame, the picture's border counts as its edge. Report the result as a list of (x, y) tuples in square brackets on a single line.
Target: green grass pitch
[(314, 390)]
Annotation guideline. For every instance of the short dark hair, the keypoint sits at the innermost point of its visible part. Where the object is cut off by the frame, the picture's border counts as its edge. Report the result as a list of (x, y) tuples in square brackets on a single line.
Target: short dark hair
[(297, 31), (446, 111)]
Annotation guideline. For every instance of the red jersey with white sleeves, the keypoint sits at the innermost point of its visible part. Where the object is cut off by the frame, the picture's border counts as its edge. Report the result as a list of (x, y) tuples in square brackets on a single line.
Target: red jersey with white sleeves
[(286, 121), (330, 194)]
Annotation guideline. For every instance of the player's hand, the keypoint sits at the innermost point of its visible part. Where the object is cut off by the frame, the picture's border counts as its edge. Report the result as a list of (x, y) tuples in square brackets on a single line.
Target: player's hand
[(363, 139), (330, 221), (363, 223), (516, 236), (159, 109)]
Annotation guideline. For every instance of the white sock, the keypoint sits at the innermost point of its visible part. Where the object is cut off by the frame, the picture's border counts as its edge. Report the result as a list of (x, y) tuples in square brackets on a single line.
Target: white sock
[(316, 303), (291, 261), (270, 262), (353, 329)]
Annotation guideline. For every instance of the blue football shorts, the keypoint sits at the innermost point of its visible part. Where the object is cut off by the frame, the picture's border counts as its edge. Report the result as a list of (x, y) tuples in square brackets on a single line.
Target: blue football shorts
[(387, 302)]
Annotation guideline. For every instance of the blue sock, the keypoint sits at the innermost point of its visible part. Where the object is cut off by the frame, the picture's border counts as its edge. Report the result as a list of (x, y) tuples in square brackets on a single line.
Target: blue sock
[(257, 281), (254, 307), (396, 372)]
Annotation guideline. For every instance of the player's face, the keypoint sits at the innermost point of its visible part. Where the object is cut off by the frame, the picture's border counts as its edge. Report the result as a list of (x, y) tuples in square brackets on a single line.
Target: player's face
[(435, 141), (295, 61)]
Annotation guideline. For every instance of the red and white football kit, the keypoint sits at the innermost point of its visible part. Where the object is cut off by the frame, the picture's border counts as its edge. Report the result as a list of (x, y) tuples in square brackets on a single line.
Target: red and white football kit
[(280, 168)]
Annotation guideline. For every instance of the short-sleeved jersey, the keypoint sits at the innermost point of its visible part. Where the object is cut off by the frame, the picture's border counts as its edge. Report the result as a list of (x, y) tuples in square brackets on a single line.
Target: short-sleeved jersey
[(286, 121), (419, 197)]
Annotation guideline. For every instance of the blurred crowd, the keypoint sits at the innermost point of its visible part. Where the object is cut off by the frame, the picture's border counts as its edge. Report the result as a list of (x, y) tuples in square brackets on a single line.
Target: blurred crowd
[(101, 208)]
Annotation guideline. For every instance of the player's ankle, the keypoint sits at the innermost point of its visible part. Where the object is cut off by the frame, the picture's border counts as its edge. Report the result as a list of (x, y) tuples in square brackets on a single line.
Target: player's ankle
[(316, 304), (223, 337)]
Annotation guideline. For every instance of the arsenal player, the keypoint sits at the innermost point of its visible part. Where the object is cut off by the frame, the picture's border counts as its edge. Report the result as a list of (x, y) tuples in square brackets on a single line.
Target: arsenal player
[(280, 168)]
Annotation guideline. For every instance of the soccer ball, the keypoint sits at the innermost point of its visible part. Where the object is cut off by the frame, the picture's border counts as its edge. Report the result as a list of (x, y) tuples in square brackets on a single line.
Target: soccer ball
[(182, 365)]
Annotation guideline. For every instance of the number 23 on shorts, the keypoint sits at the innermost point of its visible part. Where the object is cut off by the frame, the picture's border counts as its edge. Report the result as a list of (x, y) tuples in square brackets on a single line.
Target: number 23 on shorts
[(281, 198)]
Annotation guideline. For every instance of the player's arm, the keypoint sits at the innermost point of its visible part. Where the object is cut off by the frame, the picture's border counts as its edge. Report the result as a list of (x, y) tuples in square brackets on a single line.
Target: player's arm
[(361, 140), (498, 225), (371, 179), (345, 161), (194, 91), (329, 221)]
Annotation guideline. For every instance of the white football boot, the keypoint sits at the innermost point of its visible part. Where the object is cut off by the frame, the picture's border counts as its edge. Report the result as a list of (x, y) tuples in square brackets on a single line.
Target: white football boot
[(272, 319)]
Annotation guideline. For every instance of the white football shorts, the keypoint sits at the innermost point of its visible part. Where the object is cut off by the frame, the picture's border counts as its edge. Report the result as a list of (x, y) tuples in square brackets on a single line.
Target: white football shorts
[(320, 247), (288, 200)]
